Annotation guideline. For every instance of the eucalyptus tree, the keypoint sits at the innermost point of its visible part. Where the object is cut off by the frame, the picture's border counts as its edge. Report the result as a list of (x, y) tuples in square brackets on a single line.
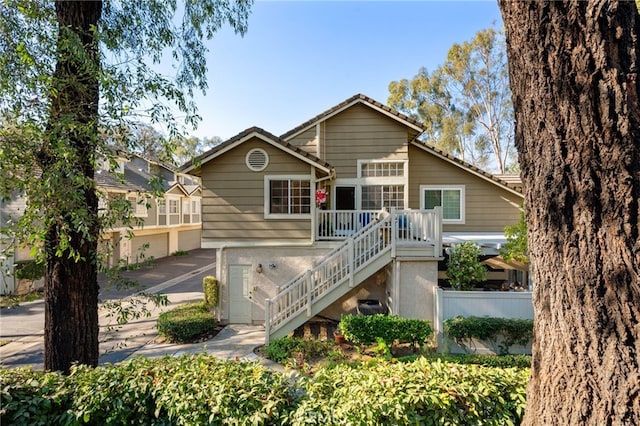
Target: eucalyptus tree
[(465, 103), (573, 67), (71, 73)]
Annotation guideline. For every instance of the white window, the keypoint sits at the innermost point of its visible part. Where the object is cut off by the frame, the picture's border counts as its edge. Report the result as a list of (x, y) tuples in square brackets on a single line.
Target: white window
[(287, 196), (449, 197), (375, 197), (162, 206), (138, 206), (378, 168), (195, 211)]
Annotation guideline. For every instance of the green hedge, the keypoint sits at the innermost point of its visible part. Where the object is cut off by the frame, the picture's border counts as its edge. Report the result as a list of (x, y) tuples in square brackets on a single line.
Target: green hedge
[(422, 392), (367, 329), (211, 291), (186, 323), (200, 389), (186, 390), (490, 329)]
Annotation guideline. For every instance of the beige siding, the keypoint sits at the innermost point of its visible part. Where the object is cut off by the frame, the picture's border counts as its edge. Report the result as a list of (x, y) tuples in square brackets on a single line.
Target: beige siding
[(306, 140), (232, 203), (488, 208), (360, 133), (189, 240)]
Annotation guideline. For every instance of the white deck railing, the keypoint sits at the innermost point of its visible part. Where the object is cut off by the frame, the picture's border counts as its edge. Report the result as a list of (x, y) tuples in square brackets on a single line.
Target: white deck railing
[(366, 243)]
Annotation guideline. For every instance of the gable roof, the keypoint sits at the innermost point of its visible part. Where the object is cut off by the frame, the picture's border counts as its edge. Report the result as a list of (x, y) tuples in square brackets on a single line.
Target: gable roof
[(356, 99), (267, 137), (511, 187)]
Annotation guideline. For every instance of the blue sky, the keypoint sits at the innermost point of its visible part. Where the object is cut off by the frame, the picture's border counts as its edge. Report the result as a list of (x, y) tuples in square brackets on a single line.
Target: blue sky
[(300, 58)]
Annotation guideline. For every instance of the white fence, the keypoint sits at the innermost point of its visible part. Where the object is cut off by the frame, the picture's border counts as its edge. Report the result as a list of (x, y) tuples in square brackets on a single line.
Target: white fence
[(500, 304)]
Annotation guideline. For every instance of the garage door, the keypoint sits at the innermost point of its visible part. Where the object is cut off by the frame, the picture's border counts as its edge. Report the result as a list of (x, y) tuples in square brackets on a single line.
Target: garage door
[(158, 246)]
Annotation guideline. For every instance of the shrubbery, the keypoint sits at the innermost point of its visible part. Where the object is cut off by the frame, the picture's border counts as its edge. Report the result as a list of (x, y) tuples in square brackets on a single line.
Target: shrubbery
[(511, 331), (367, 329), (281, 350), (186, 390), (211, 290), (200, 389), (187, 322)]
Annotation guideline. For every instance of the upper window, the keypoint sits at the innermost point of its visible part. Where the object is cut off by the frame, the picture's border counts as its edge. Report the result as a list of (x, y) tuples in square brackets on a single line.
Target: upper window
[(450, 198), (138, 206), (373, 168), (286, 196)]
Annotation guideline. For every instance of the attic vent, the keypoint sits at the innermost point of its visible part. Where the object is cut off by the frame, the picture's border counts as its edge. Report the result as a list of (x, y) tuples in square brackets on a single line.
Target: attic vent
[(257, 159)]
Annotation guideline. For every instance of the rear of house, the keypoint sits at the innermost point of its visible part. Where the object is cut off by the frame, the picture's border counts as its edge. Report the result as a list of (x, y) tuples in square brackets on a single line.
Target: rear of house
[(389, 207)]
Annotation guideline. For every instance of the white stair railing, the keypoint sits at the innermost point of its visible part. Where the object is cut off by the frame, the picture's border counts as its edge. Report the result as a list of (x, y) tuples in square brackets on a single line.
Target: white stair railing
[(335, 269)]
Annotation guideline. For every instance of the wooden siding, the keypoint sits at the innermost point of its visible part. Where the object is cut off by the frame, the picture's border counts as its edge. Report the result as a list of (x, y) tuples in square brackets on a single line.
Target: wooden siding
[(360, 133), (306, 140), (488, 208), (232, 201)]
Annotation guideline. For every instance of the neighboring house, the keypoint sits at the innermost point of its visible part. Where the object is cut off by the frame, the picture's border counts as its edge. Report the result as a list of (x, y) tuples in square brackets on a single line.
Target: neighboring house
[(393, 206), (168, 224)]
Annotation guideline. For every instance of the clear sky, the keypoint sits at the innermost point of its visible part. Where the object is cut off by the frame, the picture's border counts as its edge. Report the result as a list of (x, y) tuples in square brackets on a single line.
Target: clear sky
[(300, 58)]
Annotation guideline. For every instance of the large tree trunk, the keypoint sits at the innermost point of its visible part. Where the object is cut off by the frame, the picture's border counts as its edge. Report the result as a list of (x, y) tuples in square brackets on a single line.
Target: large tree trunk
[(71, 287), (573, 69)]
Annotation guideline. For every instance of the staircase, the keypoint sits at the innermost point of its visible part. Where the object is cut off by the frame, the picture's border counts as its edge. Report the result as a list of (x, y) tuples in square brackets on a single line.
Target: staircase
[(349, 264)]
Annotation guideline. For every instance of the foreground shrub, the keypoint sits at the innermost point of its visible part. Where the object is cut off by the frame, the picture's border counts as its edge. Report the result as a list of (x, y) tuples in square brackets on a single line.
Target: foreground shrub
[(187, 323), (367, 329), (422, 392), (500, 333), (185, 390), (34, 398)]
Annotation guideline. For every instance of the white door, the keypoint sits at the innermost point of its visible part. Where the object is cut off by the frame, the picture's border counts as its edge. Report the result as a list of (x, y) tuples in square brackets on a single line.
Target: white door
[(240, 303)]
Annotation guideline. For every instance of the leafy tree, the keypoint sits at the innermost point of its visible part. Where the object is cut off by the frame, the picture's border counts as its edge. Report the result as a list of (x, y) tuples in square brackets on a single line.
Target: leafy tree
[(465, 103), (73, 74), (573, 69), (188, 148), (516, 247), (463, 267)]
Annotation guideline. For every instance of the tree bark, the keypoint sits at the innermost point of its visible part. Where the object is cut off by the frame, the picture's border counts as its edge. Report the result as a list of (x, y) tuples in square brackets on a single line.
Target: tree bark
[(67, 159), (573, 68)]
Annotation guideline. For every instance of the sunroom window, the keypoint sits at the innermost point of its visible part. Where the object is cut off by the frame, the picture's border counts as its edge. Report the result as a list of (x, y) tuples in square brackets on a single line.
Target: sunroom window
[(375, 197)]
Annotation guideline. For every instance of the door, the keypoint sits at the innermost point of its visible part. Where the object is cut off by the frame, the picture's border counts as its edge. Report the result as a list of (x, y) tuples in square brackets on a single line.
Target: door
[(346, 202), (240, 303)]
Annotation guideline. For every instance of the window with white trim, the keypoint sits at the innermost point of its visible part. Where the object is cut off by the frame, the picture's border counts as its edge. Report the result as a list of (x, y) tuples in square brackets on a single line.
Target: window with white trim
[(378, 168), (195, 210), (449, 197), (375, 197), (138, 206), (162, 211), (287, 196), (186, 211)]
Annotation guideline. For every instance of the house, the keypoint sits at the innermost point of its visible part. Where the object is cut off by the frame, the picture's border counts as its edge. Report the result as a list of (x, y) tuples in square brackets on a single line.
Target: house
[(166, 223), (347, 208)]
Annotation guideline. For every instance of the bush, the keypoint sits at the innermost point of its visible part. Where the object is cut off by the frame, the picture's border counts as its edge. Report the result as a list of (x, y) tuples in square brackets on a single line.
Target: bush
[(513, 331), (281, 350), (367, 329), (211, 291), (201, 389), (463, 267), (185, 390), (421, 392), (186, 323)]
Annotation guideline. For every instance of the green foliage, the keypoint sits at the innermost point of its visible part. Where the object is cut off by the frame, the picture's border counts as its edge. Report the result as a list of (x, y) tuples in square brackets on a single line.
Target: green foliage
[(511, 331), (29, 270), (463, 266), (186, 323), (286, 348), (421, 392), (366, 329), (211, 290), (465, 104), (180, 253), (502, 361), (517, 245), (185, 390), (33, 398)]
